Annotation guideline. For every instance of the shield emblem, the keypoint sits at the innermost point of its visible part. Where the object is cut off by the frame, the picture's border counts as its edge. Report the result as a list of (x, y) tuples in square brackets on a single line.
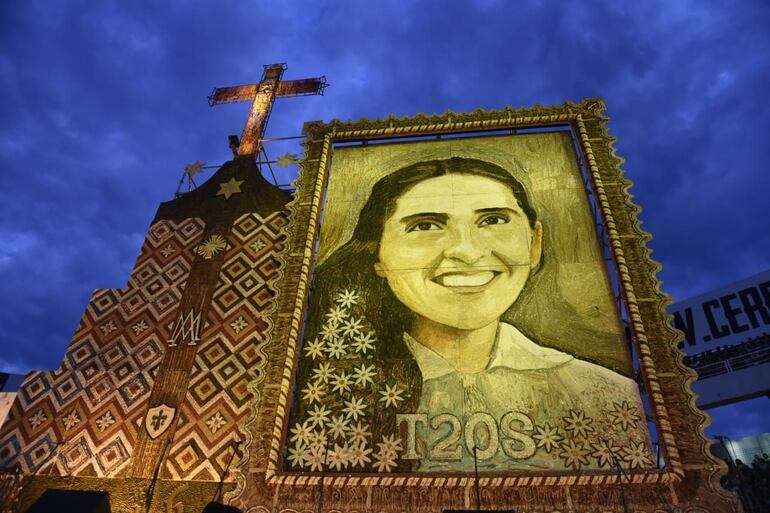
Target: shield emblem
[(158, 419)]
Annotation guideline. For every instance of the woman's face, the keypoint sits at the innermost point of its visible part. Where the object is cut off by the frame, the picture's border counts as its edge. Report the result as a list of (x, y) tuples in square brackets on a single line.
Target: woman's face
[(458, 250)]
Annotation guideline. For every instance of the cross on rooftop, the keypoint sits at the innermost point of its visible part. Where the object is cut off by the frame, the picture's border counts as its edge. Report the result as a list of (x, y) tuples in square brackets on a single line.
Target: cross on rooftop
[(263, 95)]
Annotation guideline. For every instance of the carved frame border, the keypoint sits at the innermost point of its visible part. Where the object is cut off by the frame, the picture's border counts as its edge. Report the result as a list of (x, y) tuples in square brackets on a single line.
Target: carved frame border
[(680, 423)]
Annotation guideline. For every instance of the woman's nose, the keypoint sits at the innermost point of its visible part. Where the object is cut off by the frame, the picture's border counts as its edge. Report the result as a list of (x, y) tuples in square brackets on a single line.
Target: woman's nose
[(464, 245)]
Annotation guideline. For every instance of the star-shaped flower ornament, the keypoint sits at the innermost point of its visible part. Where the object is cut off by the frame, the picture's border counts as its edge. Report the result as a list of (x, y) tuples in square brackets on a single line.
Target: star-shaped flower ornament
[(391, 396), (194, 168), (287, 159)]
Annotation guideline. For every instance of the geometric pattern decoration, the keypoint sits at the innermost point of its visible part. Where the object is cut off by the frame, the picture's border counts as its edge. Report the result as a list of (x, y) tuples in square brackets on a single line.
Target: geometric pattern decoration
[(82, 419), (229, 355)]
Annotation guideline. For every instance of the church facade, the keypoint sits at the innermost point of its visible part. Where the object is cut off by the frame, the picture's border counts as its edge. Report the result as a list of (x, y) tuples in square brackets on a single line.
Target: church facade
[(207, 378)]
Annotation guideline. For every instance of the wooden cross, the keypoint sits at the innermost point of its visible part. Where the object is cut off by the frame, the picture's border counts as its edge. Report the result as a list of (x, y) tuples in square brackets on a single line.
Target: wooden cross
[(263, 95)]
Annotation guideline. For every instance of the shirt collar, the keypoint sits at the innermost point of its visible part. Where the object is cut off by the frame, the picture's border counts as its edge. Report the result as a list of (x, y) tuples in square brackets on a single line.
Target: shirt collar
[(512, 351)]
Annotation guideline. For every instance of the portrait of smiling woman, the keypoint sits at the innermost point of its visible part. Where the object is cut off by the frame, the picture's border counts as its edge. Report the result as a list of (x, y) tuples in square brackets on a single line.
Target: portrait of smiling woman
[(409, 362)]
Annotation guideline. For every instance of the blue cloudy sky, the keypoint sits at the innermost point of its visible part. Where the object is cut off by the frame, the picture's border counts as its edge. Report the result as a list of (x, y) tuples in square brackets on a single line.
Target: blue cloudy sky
[(104, 103)]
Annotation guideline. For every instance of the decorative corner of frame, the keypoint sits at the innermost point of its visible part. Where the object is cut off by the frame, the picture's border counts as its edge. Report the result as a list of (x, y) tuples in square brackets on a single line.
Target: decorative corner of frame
[(595, 105)]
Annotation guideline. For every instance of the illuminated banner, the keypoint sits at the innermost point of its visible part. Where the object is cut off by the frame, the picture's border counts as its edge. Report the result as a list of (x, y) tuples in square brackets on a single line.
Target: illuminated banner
[(472, 291), (460, 303), (726, 316)]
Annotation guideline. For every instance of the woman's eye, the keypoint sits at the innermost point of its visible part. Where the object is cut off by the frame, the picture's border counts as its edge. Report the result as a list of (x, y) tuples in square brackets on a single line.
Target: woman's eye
[(490, 220), (423, 226)]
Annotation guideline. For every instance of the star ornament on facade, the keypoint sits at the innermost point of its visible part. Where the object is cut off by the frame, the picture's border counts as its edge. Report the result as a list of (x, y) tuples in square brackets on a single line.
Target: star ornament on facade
[(317, 439), (359, 455), (239, 324), (390, 444), (330, 332), (384, 460), (352, 327), (216, 422), (71, 420), (315, 456), (336, 315), (212, 247), (230, 187), (168, 251), (287, 159), (140, 327), (105, 421), (38, 418)]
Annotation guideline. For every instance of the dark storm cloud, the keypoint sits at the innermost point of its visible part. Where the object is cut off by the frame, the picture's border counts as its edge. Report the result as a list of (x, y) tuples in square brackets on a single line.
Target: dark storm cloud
[(104, 103)]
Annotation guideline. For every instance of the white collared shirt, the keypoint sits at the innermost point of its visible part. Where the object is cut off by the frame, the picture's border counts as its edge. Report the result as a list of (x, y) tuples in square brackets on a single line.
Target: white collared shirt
[(547, 386)]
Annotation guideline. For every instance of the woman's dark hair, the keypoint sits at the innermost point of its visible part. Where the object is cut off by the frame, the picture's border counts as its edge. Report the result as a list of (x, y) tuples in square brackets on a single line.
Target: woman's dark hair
[(351, 267)]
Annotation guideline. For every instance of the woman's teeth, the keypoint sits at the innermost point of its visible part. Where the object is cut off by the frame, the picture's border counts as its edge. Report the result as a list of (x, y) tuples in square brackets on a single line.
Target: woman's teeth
[(465, 279)]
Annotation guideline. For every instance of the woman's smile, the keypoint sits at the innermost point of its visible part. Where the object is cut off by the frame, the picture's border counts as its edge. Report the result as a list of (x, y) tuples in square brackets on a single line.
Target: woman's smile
[(458, 249), (465, 279)]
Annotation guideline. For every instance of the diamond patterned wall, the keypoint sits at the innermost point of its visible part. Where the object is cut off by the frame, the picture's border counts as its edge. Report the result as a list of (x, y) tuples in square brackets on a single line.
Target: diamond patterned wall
[(229, 355), (82, 419)]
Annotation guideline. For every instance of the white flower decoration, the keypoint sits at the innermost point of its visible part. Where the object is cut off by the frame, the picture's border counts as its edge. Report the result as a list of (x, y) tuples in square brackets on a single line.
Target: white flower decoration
[(314, 349), (347, 298), (313, 392), (363, 374), (359, 455), (318, 415), (300, 433), (339, 457), (330, 332), (315, 457), (298, 456), (391, 396), (337, 348), (391, 444), (341, 382), (352, 327), (322, 373), (364, 342), (336, 315), (354, 408), (317, 438), (384, 461), (337, 426), (359, 433)]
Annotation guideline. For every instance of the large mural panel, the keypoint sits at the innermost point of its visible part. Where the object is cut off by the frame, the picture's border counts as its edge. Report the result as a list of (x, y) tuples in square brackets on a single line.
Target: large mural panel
[(461, 314)]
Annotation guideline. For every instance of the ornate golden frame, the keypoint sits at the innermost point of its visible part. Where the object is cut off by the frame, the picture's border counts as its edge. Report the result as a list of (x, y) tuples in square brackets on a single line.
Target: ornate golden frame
[(690, 476)]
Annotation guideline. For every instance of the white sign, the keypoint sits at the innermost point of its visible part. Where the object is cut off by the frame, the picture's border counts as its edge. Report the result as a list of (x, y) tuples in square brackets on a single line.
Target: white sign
[(726, 316)]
